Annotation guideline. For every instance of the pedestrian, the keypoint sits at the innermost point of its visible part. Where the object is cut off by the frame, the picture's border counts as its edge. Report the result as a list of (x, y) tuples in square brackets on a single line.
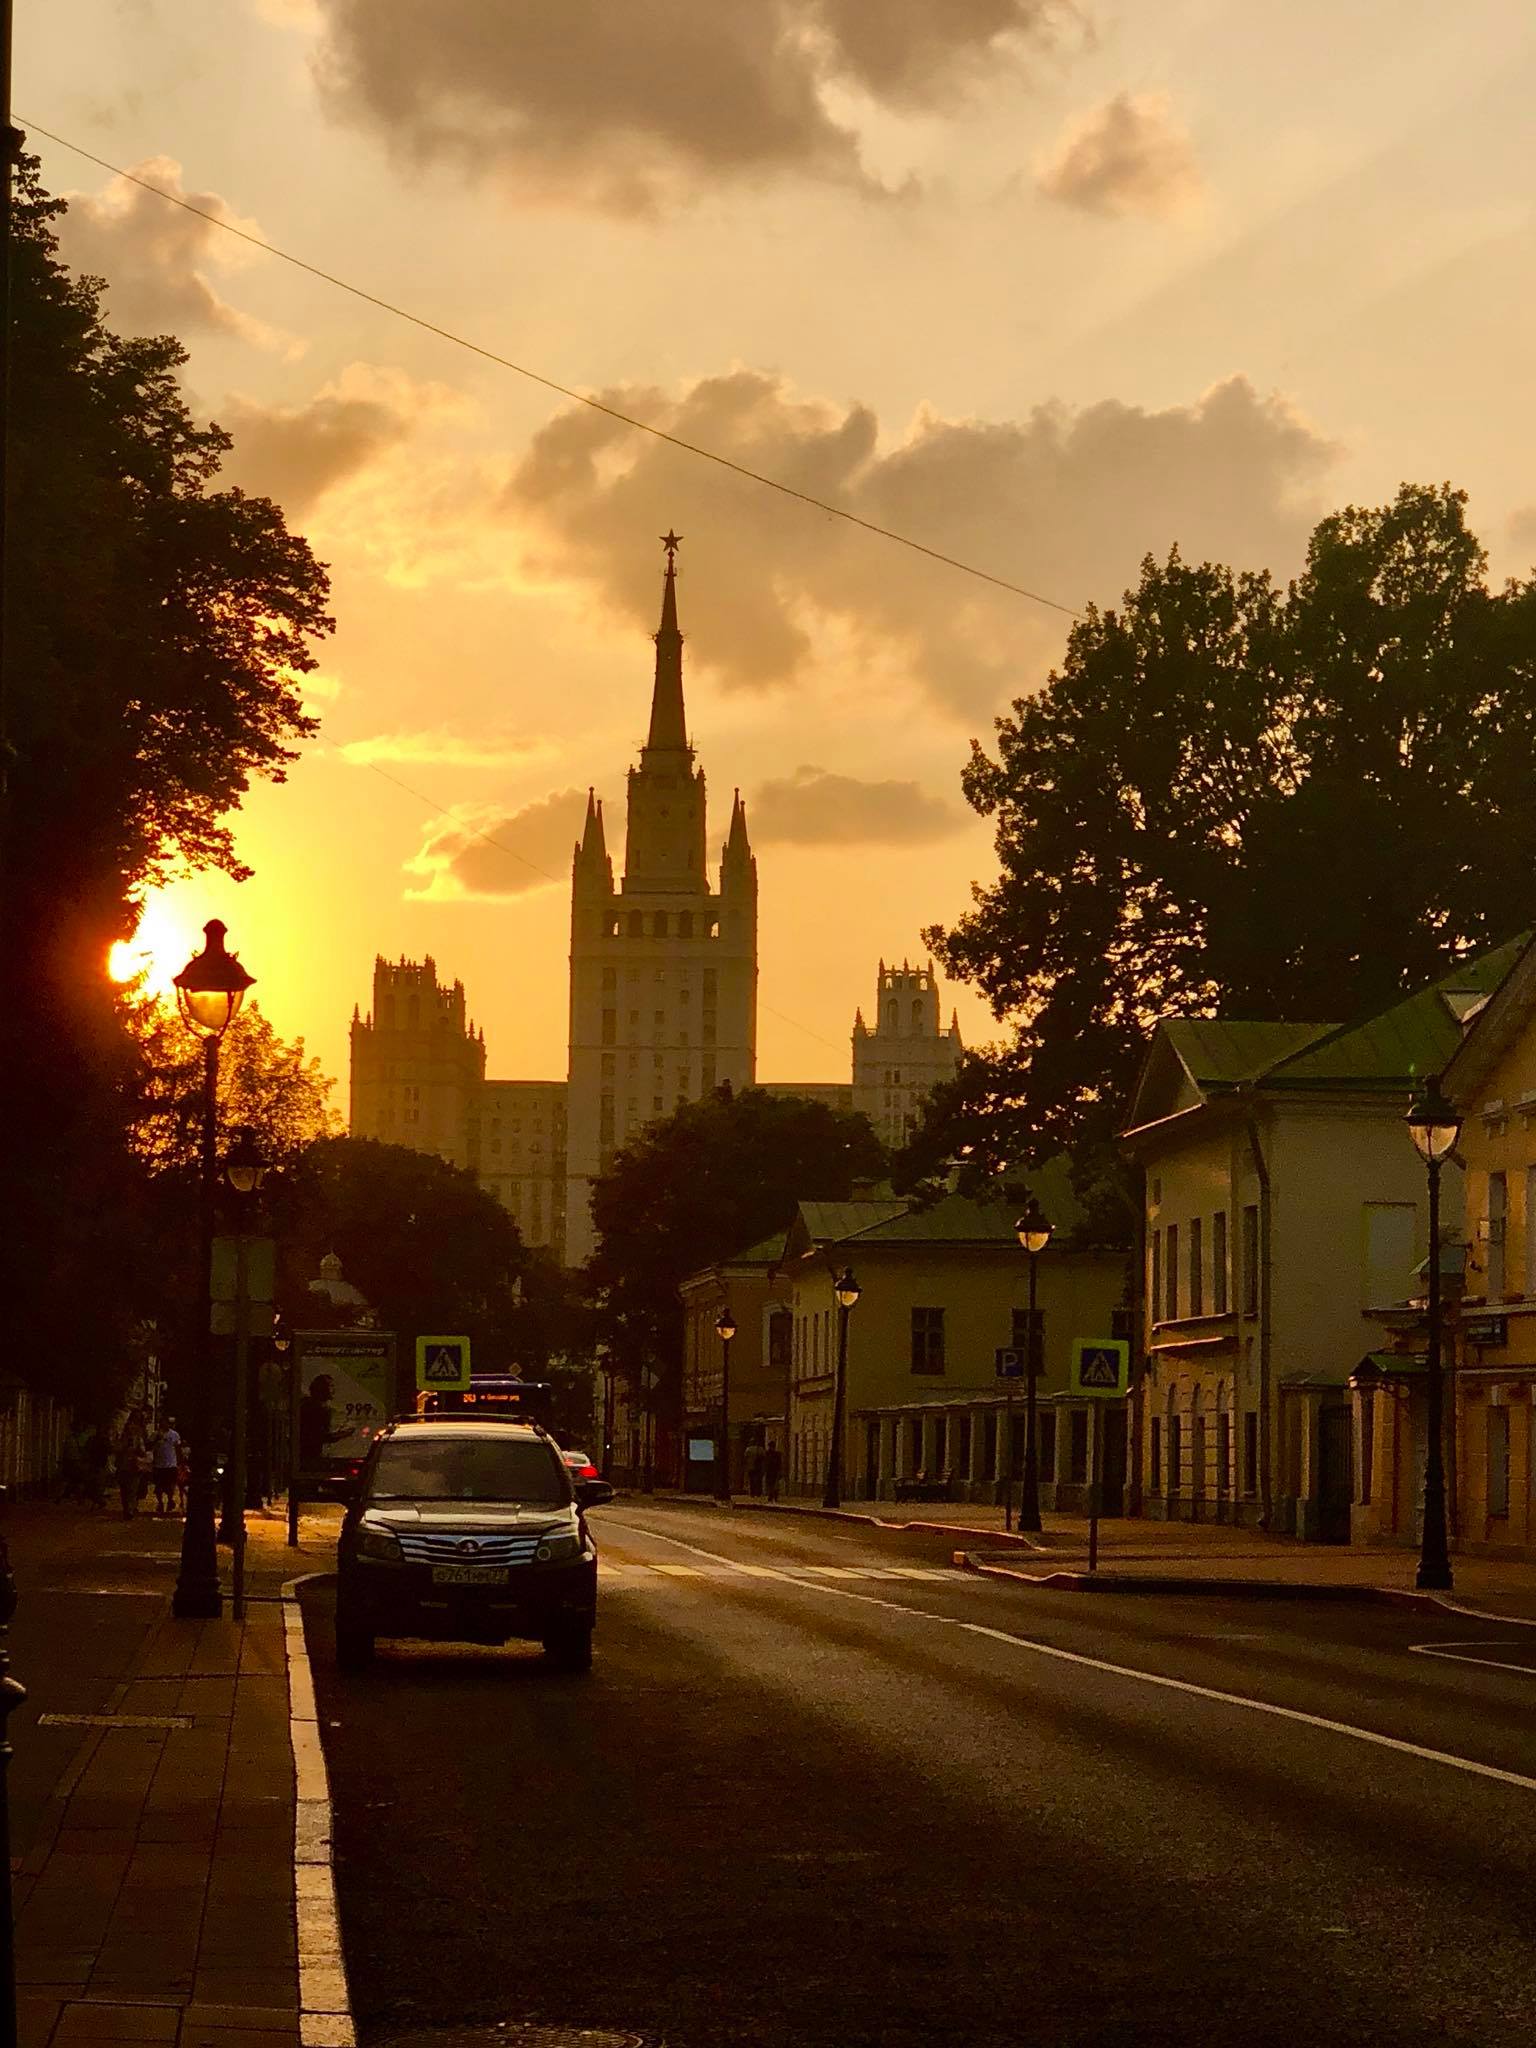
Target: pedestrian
[(773, 1464), (131, 1461), (164, 1459)]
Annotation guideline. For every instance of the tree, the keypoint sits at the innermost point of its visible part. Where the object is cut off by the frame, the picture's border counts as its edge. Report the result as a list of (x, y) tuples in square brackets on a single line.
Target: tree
[(157, 630), (428, 1247), (714, 1178), (1294, 804)]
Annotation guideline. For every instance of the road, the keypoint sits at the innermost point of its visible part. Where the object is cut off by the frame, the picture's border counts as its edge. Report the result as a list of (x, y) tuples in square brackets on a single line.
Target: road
[(822, 1790)]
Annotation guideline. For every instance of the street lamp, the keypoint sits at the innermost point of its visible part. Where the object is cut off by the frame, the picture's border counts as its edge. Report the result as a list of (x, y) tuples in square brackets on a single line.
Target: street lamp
[(846, 1290), (209, 992), (245, 1168), (1033, 1230), (1434, 1127), (725, 1329), (282, 1344)]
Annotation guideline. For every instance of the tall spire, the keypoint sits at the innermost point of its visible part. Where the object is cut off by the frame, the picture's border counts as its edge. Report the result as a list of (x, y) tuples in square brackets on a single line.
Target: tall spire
[(668, 733)]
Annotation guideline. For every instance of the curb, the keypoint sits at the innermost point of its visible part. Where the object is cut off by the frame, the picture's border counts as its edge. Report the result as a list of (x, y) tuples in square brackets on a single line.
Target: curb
[(785, 1507), (325, 2007), (1167, 1583)]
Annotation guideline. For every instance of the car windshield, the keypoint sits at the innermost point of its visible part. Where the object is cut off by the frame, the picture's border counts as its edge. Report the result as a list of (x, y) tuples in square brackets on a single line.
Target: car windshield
[(468, 1468)]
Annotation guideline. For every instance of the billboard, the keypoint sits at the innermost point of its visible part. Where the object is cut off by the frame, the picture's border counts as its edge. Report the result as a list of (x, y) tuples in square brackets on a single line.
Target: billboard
[(346, 1393)]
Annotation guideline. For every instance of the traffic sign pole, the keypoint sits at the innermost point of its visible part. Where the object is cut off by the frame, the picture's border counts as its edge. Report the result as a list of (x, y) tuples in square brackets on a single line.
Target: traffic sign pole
[(1008, 1461), (1095, 1482)]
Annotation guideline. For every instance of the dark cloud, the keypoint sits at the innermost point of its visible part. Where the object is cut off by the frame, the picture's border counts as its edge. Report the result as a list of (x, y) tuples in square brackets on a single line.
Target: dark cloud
[(1064, 501), (154, 257), (1128, 156), (293, 454), (485, 850), (634, 107), (814, 807)]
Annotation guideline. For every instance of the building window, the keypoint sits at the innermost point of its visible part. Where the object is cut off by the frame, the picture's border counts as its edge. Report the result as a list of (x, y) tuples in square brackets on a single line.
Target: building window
[(1250, 1452), (1175, 1453), (1156, 1263), (610, 1027), (1155, 1455), (1219, 1263), (1223, 1451), (685, 924), (1122, 1325), (927, 1340), (1031, 1341), (1498, 1206), (1197, 1267), (1171, 1304), (1251, 1259)]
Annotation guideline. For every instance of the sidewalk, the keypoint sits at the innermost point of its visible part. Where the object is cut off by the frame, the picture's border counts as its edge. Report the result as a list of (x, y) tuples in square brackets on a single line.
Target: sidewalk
[(1187, 1556), (155, 1899)]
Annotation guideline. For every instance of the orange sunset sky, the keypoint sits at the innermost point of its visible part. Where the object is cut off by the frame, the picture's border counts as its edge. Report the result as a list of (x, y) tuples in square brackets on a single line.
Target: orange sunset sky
[(1045, 286)]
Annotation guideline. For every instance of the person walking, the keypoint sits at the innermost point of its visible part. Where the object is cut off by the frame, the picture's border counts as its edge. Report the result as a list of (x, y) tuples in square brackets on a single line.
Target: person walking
[(773, 1465), (164, 1459), (131, 1458)]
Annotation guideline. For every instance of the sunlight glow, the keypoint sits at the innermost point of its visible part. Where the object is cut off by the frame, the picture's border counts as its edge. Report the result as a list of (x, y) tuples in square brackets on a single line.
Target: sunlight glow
[(161, 946)]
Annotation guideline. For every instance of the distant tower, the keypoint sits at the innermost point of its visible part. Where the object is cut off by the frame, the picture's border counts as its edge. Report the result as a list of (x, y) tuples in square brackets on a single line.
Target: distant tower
[(907, 1053), (417, 1063), (663, 969)]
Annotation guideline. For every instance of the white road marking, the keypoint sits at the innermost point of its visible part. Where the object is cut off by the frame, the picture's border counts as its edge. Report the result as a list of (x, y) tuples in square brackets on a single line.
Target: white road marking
[(1453, 1654), (1035, 1648)]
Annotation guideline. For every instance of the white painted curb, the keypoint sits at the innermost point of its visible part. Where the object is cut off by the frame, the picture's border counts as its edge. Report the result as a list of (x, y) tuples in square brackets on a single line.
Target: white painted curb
[(325, 2009)]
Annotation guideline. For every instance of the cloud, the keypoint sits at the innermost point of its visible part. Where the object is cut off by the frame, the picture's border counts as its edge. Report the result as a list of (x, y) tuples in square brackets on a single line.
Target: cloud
[(155, 257), (1521, 528), (1128, 156), (444, 749), (485, 850), (814, 807), (1064, 501), (295, 453), (633, 108)]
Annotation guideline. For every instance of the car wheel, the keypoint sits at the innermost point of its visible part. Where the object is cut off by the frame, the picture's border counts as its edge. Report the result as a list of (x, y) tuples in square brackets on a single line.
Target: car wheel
[(570, 1648), (354, 1645)]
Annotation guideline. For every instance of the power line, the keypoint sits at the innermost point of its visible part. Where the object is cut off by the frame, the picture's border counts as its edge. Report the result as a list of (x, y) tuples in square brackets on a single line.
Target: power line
[(552, 384)]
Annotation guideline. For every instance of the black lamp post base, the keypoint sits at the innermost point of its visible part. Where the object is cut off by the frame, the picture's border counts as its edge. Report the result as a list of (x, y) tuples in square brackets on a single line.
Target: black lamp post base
[(1434, 1576), (197, 1603)]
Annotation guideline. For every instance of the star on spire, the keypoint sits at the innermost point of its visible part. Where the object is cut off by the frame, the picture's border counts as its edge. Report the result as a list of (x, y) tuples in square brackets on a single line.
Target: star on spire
[(671, 542)]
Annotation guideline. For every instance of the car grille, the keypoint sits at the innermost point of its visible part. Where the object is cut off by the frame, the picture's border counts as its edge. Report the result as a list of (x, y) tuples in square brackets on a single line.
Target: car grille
[(419, 1547)]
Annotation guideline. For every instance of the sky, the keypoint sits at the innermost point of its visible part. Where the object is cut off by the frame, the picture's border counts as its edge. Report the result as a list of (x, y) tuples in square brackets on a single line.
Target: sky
[(1046, 285)]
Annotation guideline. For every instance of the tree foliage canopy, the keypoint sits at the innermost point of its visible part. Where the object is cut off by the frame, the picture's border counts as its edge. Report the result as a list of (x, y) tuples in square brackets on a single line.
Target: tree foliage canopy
[(157, 628), (714, 1178), (1291, 803)]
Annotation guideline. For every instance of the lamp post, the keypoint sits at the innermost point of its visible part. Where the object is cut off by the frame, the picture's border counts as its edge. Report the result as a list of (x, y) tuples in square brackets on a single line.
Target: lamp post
[(725, 1329), (847, 1291), (209, 992), (1033, 1231), (288, 1358), (245, 1169), (1434, 1127)]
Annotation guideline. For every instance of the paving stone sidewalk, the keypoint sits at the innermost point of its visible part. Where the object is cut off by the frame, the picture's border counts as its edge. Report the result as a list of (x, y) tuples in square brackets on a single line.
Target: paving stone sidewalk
[(155, 1902)]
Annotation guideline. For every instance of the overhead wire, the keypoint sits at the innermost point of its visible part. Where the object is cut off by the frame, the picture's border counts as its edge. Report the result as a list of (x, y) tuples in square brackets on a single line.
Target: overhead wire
[(577, 397)]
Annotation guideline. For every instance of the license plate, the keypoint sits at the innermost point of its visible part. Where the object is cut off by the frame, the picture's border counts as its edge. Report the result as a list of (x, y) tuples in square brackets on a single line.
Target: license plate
[(469, 1575)]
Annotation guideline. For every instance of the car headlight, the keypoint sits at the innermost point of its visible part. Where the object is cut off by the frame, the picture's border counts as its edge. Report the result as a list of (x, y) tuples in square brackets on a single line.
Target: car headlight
[(558, 1549), (382, 1545)]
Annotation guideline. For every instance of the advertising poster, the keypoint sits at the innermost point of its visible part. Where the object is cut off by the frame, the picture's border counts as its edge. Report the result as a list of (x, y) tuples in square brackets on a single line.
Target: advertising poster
[(346, 1394)]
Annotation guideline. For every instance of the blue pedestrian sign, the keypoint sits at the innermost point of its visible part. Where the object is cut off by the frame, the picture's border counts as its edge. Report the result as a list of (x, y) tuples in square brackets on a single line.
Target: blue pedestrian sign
[(1101, 1368)]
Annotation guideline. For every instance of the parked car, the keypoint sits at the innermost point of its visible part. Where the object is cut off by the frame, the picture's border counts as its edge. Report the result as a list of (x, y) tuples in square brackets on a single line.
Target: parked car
[(464, 1530), (580, 1466)]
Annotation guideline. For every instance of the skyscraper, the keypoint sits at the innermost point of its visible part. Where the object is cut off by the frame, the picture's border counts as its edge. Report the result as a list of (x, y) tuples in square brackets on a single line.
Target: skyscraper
[(663, 968)]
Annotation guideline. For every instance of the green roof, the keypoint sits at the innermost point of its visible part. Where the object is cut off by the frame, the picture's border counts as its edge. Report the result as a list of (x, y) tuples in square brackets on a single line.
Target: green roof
[(768, 1253), (1416, 1037), (827, 1222), (1216, 1050), (953, 1219)]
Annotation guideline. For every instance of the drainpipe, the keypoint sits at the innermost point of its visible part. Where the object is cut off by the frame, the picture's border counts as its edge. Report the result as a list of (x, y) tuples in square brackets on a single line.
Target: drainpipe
[(1266, 1433)]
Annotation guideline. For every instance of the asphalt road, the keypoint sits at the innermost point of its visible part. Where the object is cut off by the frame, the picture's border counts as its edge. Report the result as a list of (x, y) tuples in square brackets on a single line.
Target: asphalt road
[(800, 1803)]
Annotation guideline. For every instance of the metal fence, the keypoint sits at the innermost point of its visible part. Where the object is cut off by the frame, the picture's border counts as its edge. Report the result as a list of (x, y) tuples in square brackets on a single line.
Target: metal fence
[(32, 1431)]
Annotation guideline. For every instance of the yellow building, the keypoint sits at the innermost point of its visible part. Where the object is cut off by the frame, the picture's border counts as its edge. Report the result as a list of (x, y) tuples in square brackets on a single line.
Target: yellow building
[(942, 1290), (1285, 1209), (1491, 1078)]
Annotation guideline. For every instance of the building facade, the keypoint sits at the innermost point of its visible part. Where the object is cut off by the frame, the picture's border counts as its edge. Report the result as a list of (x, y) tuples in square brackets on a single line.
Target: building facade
[(417, 1063), (663, 989), (905, 1055)]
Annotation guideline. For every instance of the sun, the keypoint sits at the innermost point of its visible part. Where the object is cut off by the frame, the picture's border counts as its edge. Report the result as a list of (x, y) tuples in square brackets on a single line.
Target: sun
[(158, 950)]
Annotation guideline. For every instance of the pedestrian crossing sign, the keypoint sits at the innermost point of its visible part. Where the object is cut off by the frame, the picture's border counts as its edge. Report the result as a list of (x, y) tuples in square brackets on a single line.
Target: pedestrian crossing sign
[(442, 1364), (1101, 1368)]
